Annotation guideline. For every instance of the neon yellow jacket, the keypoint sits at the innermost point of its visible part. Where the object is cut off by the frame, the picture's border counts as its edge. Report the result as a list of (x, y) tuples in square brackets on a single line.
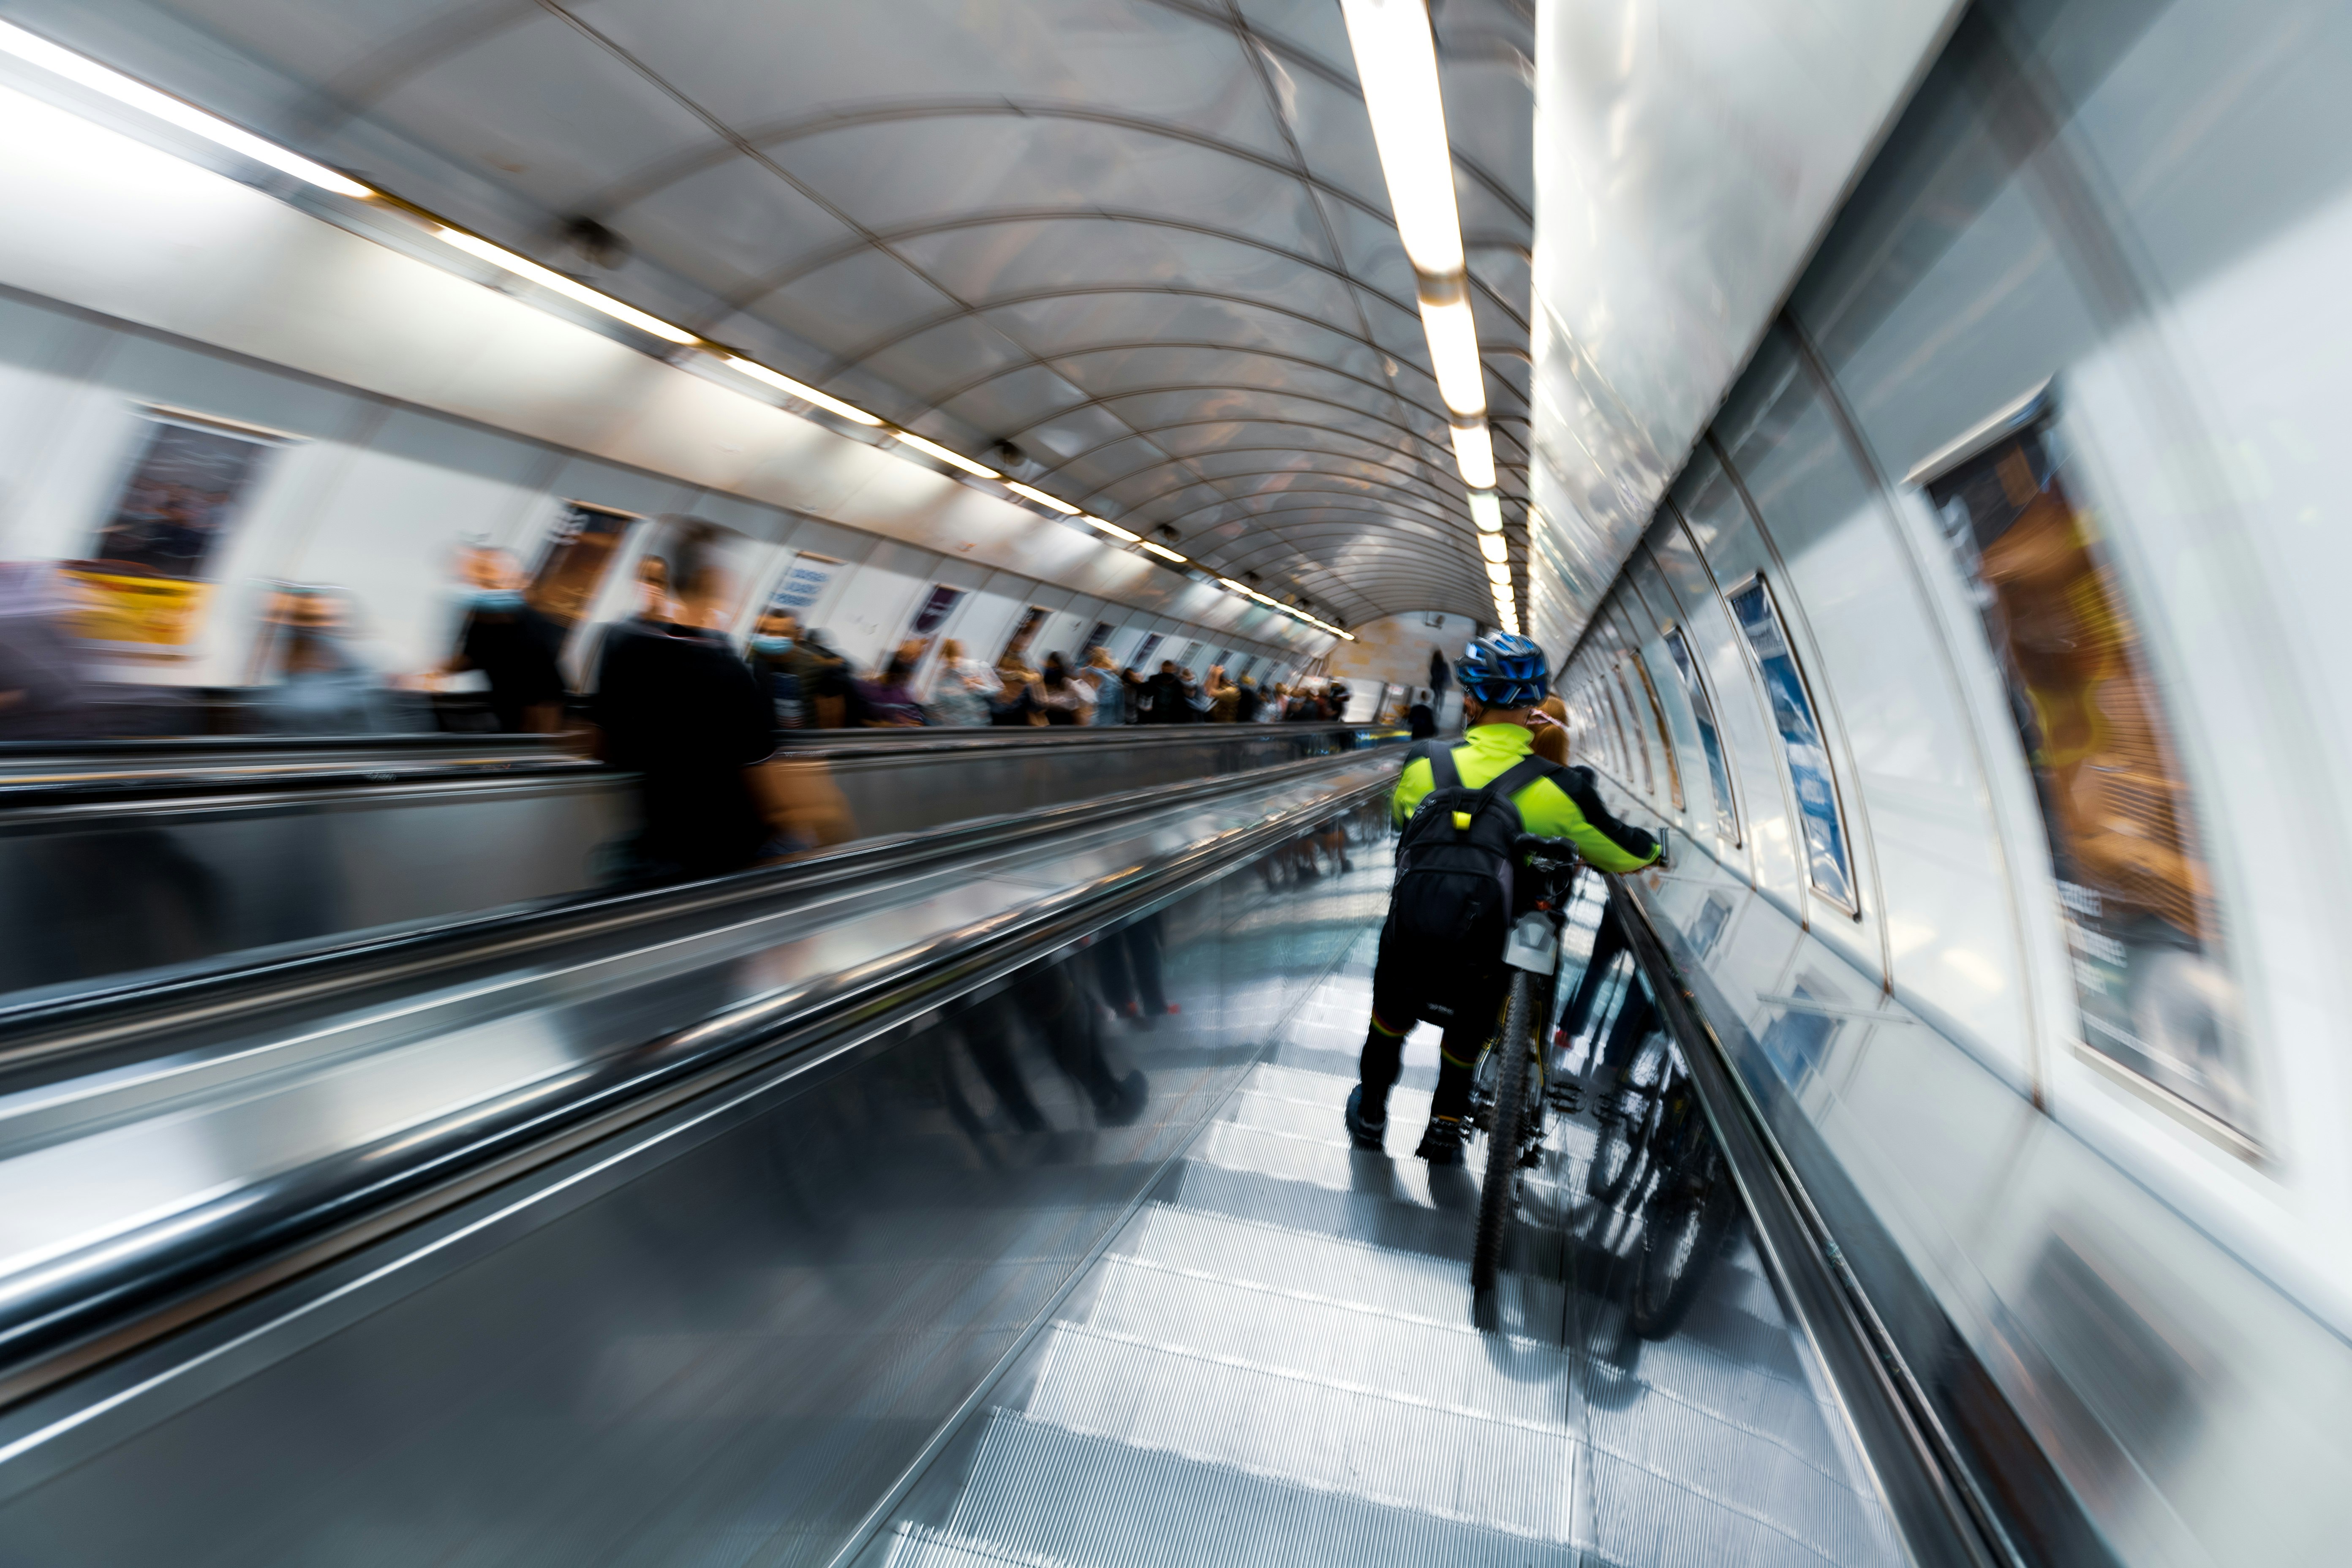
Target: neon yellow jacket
[(1574, 812)]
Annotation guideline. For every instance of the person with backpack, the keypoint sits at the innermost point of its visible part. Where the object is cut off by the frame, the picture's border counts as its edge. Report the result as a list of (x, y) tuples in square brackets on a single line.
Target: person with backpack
[(1462, 809)]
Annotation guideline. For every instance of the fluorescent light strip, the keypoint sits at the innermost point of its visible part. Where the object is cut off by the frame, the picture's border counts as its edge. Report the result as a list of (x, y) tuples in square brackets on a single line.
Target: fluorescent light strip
[(1056, 502), (790, 388), (1492, 547), (1486, 511), (953, 459), (89, 73), (1110, 528), (1454, 353), (1473, 453), (1396, 63), (1161, 550), (474, 245), (1499, 575)]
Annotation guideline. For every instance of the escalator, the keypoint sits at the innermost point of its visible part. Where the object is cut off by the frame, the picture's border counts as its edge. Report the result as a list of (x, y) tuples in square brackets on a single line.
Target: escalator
[(123, 857), (980, 1199)]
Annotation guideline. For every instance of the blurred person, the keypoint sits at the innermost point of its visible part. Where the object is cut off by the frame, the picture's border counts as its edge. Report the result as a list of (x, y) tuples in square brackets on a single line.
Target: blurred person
[(323, 687), (828, 692), (962, 687), (1549, 724), (1016, 705), (1336, 698), (1224, 697), (1247, 705), (1062, 696), (1196, 699), (1138, 694), (770, 658), (512, 644), (654, 607), (1165, 694), (1421, 718), (888, 701), (1440, 672), (679, 709), (44, 694), (1109, 688)]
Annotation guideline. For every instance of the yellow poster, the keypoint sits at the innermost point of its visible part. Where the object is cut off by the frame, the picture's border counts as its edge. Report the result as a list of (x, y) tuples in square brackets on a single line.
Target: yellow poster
[(151, 612)]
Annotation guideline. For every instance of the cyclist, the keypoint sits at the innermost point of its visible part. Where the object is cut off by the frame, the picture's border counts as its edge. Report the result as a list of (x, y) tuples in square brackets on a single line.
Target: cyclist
[(1458, 981)]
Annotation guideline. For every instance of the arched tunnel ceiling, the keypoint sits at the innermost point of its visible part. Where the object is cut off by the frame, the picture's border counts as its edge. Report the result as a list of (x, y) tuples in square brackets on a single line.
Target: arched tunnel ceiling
[(1147, 241)]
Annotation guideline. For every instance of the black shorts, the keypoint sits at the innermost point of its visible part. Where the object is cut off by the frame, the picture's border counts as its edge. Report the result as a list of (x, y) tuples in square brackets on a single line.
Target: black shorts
[(1454, 990)]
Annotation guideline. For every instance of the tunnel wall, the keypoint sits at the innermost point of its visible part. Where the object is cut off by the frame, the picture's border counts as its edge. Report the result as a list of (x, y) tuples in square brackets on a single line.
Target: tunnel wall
[(402, 410), (2018, 902)]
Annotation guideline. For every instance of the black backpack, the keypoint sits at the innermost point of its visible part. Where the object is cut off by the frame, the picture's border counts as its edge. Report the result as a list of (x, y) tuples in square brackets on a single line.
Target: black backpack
[(1454, 864)]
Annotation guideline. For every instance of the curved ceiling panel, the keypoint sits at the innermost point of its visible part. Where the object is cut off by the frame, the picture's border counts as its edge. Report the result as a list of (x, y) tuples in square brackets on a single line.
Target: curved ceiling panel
[(1145, 241)]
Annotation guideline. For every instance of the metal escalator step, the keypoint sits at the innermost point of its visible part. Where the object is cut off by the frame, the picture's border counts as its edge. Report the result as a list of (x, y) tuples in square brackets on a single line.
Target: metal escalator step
[(1395, 1206), (1329, 1272), (1454, 1464), (1038, 1493)]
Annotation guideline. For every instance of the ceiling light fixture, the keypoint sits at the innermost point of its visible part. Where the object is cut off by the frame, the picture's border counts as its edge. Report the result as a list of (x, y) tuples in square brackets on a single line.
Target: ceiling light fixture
[(1056, 502), (1499, 575), (1473, 453), (89, 73), (1454, 354), (790, 388), (1110, 528), (1492, 547), (506, 260), (1161, 550), (1486, 511), (952, 459), (1396, 62)]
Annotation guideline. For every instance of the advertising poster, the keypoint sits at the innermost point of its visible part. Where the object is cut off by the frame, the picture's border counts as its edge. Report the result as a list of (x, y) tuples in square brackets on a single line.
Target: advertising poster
[(803, 584), (1801, 741), (1143, 665), (2133, 889), (1098, 638), (580, 551), (933, 612), (144, 585)]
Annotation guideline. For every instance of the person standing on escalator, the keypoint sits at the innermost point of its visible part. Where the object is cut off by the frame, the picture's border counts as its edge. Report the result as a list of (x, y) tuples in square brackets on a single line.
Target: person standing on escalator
[(1441, 954)]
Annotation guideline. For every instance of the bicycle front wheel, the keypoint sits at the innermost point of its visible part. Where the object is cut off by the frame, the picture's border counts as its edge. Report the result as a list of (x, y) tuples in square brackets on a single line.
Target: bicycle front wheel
[(1515, 1047)]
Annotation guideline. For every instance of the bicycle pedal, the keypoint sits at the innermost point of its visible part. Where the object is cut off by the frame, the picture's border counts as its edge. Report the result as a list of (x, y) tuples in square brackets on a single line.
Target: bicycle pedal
[(1532, 1158)]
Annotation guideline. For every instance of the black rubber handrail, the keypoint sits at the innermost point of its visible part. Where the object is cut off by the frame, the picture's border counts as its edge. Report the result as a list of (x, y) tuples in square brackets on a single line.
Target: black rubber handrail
[(58, 1316), (236, 776), (44, 1031)]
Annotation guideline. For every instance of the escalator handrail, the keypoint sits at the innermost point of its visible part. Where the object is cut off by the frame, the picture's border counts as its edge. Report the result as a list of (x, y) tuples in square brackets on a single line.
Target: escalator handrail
[(1936, 1500), (245, 781), (62, 1315), (45, 1031)]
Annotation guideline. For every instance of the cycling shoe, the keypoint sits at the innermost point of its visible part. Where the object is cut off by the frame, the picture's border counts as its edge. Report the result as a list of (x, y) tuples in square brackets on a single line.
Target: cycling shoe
[(1441, 1142), (1363, 1134)]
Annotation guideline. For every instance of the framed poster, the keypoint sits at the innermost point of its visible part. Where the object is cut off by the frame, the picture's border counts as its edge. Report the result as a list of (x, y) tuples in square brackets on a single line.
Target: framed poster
[(803, 584), (1098, 638), (579, 551), (933, 612), (145, 582), (2134, 894), (1142, 664)]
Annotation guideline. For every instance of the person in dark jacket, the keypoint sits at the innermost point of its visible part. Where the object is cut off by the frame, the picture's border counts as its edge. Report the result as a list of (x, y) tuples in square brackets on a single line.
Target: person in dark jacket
[(512, 644), (1421, 718), (1165, 693)]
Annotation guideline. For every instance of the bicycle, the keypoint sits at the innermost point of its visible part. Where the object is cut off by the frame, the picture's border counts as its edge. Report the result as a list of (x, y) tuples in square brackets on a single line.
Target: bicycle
[(1501, 1105)]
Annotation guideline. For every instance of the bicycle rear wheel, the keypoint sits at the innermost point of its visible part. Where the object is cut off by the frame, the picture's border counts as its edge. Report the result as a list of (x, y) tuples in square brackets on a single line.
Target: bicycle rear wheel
[(1513, 1047)]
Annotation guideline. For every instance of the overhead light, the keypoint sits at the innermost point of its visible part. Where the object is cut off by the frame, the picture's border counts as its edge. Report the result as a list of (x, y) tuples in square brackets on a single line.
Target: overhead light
[(1056, 502), (952, 459), (1492, 547), (89, 73), (474, 245), (790, 388), (1161, 550), (1473, 453), (1499, 575), (1454, 354), (1110, 528), (1486, 511), (1396, 62)]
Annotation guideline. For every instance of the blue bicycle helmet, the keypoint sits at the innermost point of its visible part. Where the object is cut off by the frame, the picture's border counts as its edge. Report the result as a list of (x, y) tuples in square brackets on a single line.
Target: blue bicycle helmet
[(1504, 670)]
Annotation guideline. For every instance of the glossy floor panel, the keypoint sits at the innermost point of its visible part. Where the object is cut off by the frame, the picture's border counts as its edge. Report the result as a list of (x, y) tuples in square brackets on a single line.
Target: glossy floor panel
[(1276, 1361)]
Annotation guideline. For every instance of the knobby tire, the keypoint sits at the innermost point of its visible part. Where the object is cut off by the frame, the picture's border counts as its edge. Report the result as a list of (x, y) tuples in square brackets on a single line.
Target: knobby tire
[(1502, 1129)]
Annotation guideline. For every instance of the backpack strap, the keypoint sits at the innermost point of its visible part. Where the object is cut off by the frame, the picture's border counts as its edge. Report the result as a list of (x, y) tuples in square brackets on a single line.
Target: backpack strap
[(1519, 774), (1443, 774)]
